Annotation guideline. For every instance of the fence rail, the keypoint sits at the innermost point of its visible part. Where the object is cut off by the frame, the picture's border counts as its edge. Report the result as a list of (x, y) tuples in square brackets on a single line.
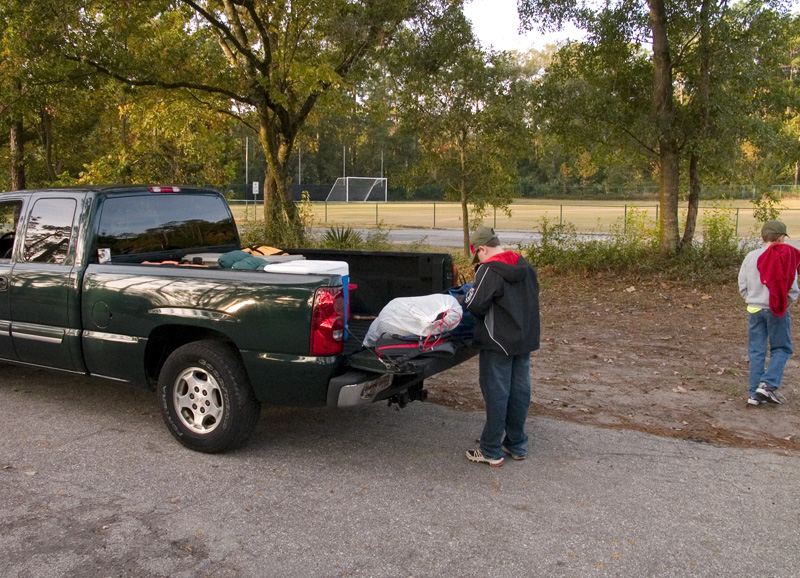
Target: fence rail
[(542, 192), (525, 216)]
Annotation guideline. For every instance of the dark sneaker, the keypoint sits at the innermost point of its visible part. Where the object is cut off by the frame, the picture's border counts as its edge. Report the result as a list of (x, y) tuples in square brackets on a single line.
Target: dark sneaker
[(513, 456), (753, 401), (768, 393), (477, 456)]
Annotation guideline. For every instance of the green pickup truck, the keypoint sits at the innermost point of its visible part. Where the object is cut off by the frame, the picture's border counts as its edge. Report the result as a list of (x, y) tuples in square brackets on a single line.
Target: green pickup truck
[(107, 282)]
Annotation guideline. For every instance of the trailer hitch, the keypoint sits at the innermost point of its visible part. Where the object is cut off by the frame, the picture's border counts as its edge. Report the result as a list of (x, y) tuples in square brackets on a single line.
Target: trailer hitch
[(415, 393)]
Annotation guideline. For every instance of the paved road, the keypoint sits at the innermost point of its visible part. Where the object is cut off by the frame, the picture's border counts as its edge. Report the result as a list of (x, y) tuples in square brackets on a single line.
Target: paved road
[(92, 485), (450, 237)]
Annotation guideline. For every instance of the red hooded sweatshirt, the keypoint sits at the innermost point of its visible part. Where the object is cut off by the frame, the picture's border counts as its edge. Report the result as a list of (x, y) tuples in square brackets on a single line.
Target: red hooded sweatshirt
[(778, 267)]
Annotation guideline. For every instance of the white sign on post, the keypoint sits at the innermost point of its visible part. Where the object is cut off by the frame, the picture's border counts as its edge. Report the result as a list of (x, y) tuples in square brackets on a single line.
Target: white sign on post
[(255, 188)]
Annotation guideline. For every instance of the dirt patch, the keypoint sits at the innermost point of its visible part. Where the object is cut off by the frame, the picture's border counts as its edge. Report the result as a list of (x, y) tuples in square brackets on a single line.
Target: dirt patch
[(659, 357)]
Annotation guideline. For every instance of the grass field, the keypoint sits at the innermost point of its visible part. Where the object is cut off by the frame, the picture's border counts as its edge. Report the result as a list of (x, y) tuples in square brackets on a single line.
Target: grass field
[(525, 214)]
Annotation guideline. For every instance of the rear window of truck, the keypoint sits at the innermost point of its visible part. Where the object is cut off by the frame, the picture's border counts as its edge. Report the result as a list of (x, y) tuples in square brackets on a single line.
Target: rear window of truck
[(152, 223)]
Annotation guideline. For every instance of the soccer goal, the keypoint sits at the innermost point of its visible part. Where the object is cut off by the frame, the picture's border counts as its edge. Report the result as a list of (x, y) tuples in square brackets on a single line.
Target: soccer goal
[(358, 189)]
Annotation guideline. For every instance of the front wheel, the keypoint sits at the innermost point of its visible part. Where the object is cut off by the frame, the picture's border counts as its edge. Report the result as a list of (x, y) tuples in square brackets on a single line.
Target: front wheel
[(206, 399)]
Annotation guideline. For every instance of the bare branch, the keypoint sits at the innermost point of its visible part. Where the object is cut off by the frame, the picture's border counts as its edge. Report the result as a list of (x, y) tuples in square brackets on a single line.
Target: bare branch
[(226, 50), (226, 112), (262, 31), (160, 83), (227, 33)]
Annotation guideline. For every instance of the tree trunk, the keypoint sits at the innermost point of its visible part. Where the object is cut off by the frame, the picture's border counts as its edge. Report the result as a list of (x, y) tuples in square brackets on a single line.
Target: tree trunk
[(664, 113), (704, 122), (280, 213), (462, 185), (17, 156), (47, 142), (694, 200)]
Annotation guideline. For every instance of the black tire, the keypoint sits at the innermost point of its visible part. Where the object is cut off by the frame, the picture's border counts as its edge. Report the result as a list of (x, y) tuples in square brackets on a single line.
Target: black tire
[(206, 399)]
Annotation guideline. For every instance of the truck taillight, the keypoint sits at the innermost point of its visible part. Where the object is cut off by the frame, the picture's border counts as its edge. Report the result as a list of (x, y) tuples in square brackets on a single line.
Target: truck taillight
[(327, 321), (165, 189)]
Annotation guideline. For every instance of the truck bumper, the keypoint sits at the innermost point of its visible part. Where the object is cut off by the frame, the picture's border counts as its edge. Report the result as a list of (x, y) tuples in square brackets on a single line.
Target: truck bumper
[(372, 379), (357, 387)]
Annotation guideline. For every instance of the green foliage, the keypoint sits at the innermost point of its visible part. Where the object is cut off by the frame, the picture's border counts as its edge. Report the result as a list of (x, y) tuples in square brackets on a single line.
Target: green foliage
[(377, 239), (165, 137), (265, 64), (632, 247), (467, 108), (719, 244), (348, 238), (709, 88), (767, 207), (342, 238), (257, 232), (260, 232)]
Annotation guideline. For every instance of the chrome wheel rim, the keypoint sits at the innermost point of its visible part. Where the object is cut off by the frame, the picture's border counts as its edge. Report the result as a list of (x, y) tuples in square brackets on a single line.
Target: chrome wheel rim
[(198, 400)]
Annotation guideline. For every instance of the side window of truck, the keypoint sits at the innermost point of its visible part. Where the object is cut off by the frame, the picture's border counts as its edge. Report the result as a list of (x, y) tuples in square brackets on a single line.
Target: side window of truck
[(49, 229), (9, 218)]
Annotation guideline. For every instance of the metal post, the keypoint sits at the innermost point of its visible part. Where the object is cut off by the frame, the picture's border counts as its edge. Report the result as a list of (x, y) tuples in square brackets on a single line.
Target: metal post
[(434, 215), (376, 214)]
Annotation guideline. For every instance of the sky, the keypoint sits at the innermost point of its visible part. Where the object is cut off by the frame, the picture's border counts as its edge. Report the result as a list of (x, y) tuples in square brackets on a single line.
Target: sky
[(496, 23)]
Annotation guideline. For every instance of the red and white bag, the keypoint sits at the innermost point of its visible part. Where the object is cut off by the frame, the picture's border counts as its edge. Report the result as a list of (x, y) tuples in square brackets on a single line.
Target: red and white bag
[(425, 316)]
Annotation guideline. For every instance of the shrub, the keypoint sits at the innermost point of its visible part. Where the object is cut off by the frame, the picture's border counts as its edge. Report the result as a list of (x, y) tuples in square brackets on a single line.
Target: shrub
[(633, 247), (255, 232), (767, 207), (342, 238)]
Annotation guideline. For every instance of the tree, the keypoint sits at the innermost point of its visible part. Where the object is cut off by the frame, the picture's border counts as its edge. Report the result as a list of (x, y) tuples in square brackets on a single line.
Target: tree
[(692, 82), (46, 101), (153, 136), (264, 63), (465, 105)]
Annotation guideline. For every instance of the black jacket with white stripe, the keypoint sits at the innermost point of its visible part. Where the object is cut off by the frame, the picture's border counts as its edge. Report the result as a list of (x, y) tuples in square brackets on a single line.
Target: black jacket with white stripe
[(505, 301)]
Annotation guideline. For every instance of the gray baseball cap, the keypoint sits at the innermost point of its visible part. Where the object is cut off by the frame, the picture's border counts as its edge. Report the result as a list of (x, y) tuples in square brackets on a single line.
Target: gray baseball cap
[(776, 227)]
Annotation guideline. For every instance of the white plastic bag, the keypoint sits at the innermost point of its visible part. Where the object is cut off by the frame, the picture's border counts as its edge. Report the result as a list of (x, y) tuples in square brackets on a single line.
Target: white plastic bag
[(428, 315)]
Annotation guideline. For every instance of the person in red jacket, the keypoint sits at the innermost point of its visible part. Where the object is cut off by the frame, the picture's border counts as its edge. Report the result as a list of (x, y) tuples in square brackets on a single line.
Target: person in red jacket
[(768, 284), (504, 299)]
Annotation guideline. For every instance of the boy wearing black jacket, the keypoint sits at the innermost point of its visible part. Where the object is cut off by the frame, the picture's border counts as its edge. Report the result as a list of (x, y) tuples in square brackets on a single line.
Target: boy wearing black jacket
[(505, 301)]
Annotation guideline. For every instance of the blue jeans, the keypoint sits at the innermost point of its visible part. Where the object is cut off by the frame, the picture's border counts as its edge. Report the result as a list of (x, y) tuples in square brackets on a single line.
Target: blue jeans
[(506, 387), (763, 327)]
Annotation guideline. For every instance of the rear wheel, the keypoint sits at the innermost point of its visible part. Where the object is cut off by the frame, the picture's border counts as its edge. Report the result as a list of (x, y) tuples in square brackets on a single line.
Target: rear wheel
[(205, 397)]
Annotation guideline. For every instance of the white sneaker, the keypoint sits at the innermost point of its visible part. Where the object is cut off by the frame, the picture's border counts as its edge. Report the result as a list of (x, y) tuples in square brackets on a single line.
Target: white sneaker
[(478, 457)]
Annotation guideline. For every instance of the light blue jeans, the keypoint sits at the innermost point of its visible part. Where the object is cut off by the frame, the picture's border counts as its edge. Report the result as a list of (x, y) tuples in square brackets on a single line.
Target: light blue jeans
[(506, 387), (762, 328)]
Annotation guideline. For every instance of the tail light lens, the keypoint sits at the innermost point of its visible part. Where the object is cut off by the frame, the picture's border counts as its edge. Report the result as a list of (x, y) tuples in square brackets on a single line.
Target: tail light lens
[(327, 321)]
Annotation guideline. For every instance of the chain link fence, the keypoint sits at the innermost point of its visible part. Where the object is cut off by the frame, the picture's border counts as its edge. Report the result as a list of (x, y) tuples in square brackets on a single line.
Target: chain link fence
[(521, 216)]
